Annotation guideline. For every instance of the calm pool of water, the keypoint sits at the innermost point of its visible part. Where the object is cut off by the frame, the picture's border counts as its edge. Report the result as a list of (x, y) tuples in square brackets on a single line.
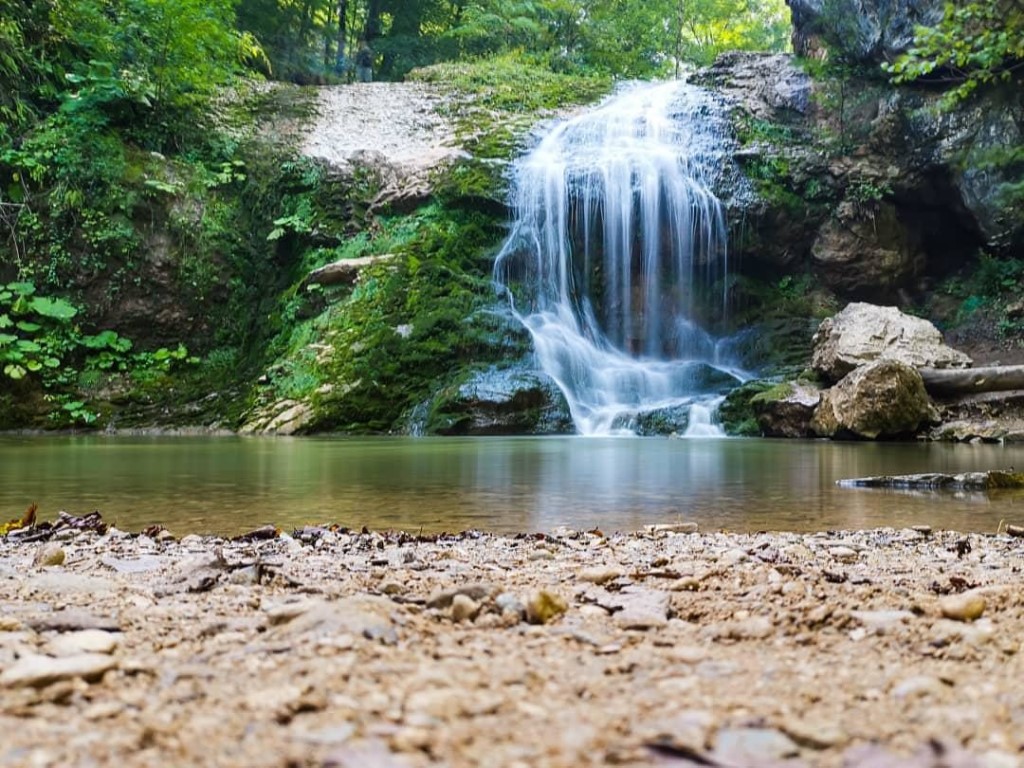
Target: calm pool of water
[(229, 485)]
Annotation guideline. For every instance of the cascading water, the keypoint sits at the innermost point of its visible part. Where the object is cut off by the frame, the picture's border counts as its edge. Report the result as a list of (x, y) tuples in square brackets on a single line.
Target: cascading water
[(617, 248)]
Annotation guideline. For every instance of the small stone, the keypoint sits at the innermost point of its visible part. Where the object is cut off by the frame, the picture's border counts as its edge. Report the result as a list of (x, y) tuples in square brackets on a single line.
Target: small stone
[(671, 528), (50, 555), (70, 620), (1015, 530), (444, 598), (642, 608), (464, 608), (39, 671), (880, 622), (753, 746), (600, 574), (86, 641), (545, 606), (967, 606), (509, 604), (813, 733), (917, 686), (733, 557), (843, 554), (924, 530)]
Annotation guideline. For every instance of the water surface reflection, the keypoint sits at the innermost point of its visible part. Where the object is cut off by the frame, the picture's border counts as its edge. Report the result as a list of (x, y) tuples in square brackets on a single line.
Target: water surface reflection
[(228, 485)]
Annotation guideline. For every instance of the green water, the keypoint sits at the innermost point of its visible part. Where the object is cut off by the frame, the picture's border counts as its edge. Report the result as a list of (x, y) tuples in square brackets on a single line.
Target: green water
[(230, 485)]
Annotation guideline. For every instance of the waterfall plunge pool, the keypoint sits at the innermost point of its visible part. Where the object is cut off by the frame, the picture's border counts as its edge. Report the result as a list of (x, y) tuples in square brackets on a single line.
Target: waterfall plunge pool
[(228, 485)]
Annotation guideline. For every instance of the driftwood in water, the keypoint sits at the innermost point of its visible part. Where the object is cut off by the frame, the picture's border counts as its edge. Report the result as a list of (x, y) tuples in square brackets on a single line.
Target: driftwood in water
[(968, 481), (960, 381)]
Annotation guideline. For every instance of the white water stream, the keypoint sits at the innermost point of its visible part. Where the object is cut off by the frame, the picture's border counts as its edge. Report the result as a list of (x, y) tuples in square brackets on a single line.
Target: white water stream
[(618, 247)]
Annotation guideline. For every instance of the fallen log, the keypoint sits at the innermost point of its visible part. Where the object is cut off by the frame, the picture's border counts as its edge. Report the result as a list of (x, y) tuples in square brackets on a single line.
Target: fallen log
[(960, 381)]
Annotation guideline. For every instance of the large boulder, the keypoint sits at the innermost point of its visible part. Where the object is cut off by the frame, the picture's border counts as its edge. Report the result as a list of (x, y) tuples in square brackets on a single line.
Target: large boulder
[(863, 30), (863, 333), (500, 401), (885, 398)]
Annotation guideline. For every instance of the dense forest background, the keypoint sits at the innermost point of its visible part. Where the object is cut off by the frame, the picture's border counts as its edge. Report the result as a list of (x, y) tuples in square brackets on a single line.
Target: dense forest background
[(128, 160)]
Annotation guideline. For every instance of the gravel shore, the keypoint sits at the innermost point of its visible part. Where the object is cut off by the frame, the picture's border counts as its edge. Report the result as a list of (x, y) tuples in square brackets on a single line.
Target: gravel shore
[(662, 647)]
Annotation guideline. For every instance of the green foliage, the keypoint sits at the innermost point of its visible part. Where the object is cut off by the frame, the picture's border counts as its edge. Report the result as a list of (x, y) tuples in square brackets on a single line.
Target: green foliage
[(39, 341), (976, 43)]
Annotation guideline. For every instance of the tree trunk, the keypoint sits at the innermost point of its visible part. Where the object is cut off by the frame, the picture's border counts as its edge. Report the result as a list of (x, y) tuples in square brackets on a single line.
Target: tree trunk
[(961, 381), (372, 30), (342, 28)]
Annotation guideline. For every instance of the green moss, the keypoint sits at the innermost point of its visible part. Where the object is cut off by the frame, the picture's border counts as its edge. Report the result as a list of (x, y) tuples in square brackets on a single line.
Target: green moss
[(736, 414)]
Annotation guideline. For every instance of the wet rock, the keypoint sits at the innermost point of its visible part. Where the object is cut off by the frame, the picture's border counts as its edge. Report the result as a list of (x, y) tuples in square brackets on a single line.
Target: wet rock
[(39, 671), (967, 481), (864, 333), (545, 606), (501, 401), (967, 606)]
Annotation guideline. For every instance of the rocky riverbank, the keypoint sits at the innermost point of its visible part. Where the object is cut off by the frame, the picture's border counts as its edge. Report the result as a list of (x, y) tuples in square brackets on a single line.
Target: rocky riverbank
[(662, 647)]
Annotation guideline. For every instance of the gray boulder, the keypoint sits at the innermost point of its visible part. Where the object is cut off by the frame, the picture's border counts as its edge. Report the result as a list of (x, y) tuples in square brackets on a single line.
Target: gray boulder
[(500, 401), (885, 398), (863, 333)]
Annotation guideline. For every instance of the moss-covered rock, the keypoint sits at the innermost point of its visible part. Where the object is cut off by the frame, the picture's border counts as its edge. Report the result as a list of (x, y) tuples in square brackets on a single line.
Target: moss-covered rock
[(498, 401)]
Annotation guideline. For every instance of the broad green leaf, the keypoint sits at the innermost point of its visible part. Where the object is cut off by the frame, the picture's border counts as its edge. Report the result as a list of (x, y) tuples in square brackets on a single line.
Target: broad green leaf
[(56, 309)]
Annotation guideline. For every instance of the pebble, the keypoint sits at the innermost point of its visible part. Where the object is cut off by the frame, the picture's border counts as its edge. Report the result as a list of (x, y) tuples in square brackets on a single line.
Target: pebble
[(464, 608), (50, 555), (813, 733), (38, 671), (753, 746), (600, 574), (967, 606), (86, 641), (671, 528), (444, 598), (642, 608), (843, 554), (880, 622), (544, 606)]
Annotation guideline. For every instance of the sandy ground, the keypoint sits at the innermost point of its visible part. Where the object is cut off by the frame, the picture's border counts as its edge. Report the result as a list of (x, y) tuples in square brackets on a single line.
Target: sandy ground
[(330, 648)]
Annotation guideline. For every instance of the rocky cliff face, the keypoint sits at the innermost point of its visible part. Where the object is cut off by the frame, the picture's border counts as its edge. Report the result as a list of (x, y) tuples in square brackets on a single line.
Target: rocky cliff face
[(869, 30), (868, 188)]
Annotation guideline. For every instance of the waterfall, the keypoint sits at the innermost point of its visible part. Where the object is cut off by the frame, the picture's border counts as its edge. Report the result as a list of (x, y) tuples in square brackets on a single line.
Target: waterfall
[(618, 255)]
